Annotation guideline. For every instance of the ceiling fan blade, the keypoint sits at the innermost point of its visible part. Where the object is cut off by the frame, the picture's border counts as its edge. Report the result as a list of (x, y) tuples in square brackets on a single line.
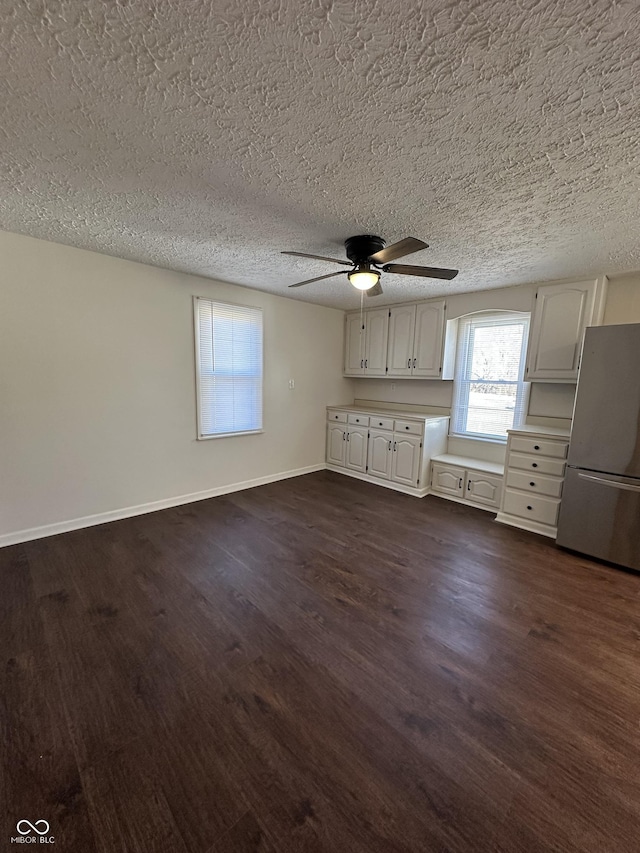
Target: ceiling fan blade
[(398, 250), (425, 272), (318, 278), (376, 290), (318, 258)]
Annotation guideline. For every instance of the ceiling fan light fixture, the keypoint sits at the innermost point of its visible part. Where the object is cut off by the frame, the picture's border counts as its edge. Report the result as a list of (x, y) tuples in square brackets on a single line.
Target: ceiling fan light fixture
[(364, 279)]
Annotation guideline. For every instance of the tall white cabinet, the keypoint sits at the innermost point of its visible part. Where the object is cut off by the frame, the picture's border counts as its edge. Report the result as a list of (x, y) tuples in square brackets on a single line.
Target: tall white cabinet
[(561, 314)]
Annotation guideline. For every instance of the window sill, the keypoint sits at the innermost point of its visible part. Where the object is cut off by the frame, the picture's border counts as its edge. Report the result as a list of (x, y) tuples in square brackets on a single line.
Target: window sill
[(230, 434), (472, 437)]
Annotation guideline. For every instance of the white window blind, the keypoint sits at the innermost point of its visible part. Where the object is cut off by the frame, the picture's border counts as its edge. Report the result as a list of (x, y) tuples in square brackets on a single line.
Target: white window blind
[(228, 368), (489, 392)]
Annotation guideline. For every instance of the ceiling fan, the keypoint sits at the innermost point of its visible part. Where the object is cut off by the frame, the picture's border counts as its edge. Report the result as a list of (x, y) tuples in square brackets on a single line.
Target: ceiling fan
[(368, 257)]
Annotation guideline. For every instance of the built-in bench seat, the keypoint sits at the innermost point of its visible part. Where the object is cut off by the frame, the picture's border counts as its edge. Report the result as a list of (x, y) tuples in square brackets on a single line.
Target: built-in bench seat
[(464, 479)]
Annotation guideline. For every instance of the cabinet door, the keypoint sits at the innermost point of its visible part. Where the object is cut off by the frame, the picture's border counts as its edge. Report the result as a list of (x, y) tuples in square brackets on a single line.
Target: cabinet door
[(353, 345), (483, 488), (447, 479), (336, 442), (406, 459), (561, 314), (380, 454), (429, 334), (356, 452), (377, 331), (402, 321)]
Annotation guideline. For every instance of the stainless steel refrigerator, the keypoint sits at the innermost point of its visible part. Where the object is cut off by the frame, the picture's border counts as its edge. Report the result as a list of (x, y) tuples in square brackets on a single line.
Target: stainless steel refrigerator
[(600, 509)]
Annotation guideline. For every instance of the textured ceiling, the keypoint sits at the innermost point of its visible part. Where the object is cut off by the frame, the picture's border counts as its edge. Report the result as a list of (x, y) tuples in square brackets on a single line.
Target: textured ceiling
[(207, 136)]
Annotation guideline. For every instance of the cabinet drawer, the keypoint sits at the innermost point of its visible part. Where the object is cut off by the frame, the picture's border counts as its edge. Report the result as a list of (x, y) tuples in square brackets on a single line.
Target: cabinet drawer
[(536, 463), (363, 420), (544, 447), (533, 507), (340, 417), (411, 427), (381, 423), (550, 486)]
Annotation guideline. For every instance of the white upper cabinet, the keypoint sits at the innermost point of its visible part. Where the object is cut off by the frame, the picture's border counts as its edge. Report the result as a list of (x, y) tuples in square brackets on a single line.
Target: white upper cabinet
[(427, 345), (560, 316), (415, 340), (402, 323), (376, 336), (365, 343), (354, 345)]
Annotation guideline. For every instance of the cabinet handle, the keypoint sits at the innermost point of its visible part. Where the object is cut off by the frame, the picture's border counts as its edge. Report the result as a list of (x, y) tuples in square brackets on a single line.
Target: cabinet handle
[(362, 362), (409, 364), (347, 436), (389, 445), (394, 446), (344, 435), (366, 362), (414, 363), (468, 485), (460, 483), (536, 447)]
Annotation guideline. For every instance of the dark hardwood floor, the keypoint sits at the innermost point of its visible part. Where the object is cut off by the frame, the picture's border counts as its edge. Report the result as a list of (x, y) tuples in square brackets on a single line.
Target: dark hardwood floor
[(319, 665)]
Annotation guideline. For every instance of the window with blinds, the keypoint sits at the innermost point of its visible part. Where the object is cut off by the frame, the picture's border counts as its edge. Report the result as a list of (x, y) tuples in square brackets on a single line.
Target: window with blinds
[(228, 368), (490, 395)]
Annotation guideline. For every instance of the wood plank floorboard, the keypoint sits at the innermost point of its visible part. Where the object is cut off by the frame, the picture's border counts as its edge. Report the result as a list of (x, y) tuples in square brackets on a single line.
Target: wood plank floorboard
[(319, 664)]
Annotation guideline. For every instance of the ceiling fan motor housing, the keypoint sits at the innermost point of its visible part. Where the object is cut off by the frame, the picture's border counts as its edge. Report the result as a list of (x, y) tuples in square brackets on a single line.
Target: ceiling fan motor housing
[(359, 249)]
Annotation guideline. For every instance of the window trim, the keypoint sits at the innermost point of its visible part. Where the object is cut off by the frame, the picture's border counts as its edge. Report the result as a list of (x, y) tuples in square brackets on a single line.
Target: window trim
[(494, 314), (200, 436)]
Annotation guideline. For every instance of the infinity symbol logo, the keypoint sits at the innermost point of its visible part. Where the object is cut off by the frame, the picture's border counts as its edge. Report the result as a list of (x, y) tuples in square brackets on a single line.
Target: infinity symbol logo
[(32, 827)]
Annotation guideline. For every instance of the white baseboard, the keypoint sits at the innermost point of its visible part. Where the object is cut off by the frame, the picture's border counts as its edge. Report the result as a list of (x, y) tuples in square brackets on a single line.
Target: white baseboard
[(141, 509)]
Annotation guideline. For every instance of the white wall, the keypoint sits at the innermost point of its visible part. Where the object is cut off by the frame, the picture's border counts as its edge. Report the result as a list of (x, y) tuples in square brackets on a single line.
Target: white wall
[(623, 300), (97, 390)]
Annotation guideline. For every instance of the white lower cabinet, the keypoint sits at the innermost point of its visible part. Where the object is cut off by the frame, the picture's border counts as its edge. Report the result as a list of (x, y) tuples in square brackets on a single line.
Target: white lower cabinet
[(356, 448), (459, 481), (379, 457), (336, 443), (396, 457), (534, 478), (447, 479), (378, 446), (405, 464)]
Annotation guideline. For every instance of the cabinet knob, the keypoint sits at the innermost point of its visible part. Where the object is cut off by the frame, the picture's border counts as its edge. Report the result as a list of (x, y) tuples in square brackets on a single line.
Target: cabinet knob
[(536, 447), (532, 483), (406, 427), (529, 507), (534, 464)]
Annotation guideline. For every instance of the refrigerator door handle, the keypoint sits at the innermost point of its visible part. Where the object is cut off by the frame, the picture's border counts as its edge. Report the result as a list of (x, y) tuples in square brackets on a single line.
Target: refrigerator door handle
[(616, 484)]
